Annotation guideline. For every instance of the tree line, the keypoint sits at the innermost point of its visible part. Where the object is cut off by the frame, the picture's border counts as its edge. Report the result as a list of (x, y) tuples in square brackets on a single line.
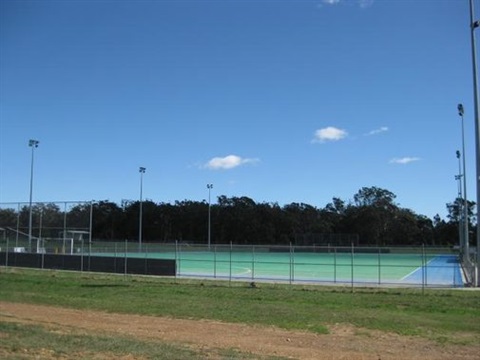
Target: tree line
[(372, 218)]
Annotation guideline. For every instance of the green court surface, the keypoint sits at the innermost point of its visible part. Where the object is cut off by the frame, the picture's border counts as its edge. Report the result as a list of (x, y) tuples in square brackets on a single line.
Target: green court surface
[(344, 267)]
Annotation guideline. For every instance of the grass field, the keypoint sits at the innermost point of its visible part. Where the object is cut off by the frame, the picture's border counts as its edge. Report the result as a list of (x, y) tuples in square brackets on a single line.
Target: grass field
[(24, 341), (432, 313), (444, 316)]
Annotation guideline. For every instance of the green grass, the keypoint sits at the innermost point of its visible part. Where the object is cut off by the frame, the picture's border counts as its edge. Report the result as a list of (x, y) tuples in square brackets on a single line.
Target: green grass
[(39, 339), (442, 315), (22, 341)]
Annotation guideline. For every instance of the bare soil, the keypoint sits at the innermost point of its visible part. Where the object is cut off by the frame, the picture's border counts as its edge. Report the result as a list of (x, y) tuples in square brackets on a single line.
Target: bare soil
[(343, 342)]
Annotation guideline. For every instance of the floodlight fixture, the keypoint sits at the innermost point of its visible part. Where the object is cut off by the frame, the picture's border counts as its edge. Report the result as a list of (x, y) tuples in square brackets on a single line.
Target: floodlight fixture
[(33, 143)]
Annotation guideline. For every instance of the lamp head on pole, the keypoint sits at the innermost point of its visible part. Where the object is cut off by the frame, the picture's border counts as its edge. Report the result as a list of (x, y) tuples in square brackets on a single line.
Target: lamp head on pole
[(209, 186), (33, 143), (142, 169)]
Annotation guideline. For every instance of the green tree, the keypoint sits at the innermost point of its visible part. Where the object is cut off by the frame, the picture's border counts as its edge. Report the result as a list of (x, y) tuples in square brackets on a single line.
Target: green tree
[(376, 197), (373, 216), (8, 218), (108, 221)]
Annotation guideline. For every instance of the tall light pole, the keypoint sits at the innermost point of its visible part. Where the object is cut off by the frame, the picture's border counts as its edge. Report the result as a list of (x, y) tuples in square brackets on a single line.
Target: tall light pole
[(459, 197), (142, 171), (33, 144), (465, 201), (473, 26), (209, 187)]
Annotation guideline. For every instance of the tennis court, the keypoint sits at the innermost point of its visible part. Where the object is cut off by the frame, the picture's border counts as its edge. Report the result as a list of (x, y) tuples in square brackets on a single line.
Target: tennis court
[(324, 266)]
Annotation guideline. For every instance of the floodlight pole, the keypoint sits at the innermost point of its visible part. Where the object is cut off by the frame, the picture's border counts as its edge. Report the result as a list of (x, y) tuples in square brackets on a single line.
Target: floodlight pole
[(209, 187), (465, 201), (33, 144), (473, 26), (458, 202), (140, 220)]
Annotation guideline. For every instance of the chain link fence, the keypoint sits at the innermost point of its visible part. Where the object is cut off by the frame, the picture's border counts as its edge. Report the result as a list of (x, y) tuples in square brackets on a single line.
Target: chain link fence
[(351, 266), (65, 228), (42, 227)]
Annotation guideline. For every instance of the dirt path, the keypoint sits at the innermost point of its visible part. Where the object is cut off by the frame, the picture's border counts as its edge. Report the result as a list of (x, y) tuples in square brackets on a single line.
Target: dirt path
[(344, 342)]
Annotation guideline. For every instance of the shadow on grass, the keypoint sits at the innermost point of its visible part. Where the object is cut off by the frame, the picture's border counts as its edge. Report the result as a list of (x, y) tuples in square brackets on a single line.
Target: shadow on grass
[(104, 285)]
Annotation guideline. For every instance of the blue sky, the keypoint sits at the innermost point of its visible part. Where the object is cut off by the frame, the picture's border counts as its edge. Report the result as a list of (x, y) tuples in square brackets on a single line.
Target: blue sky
[(281, 101)]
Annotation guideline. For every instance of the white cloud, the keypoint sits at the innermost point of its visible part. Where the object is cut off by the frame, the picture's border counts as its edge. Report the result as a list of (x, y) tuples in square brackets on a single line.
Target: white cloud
[(377, 131), (365, 3), (404, 160), (329, 133), (227, 162)]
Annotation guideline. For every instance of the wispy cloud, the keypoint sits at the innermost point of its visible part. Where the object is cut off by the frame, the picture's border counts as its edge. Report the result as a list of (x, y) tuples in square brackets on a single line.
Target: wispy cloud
[(365, 3), (330, 2), (377, 131), (329, 133), (404, 160), (228, 162)]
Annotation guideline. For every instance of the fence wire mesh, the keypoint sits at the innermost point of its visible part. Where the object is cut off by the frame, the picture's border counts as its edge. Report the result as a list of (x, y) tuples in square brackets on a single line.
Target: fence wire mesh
[(42, 227), (352, 265)]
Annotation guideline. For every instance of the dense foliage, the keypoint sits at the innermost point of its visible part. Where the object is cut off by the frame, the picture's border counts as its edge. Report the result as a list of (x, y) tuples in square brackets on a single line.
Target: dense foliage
[(371, 218)]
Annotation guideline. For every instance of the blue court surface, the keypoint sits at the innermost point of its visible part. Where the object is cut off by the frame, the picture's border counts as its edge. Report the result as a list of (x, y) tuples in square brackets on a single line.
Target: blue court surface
[(441, 270)]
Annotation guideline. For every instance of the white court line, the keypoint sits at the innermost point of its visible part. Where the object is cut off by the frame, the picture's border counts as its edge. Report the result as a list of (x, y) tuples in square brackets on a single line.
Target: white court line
[(245, 270), (417, 269)]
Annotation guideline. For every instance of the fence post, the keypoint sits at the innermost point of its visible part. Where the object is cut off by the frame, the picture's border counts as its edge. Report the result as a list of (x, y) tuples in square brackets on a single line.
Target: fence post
[(6, 254), (292, 262), (253, 262), (18, 225), (351, 256), (179, 259), (81, 258), (454, 278), (145, 248), (64, 226), (215, 261), (90, 229), (125, 258), (476, 268), (426, 266), (89, 254), (230, 276), (43, 255), (423, 268), (379, 267), (335, 264), (177, 263)]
